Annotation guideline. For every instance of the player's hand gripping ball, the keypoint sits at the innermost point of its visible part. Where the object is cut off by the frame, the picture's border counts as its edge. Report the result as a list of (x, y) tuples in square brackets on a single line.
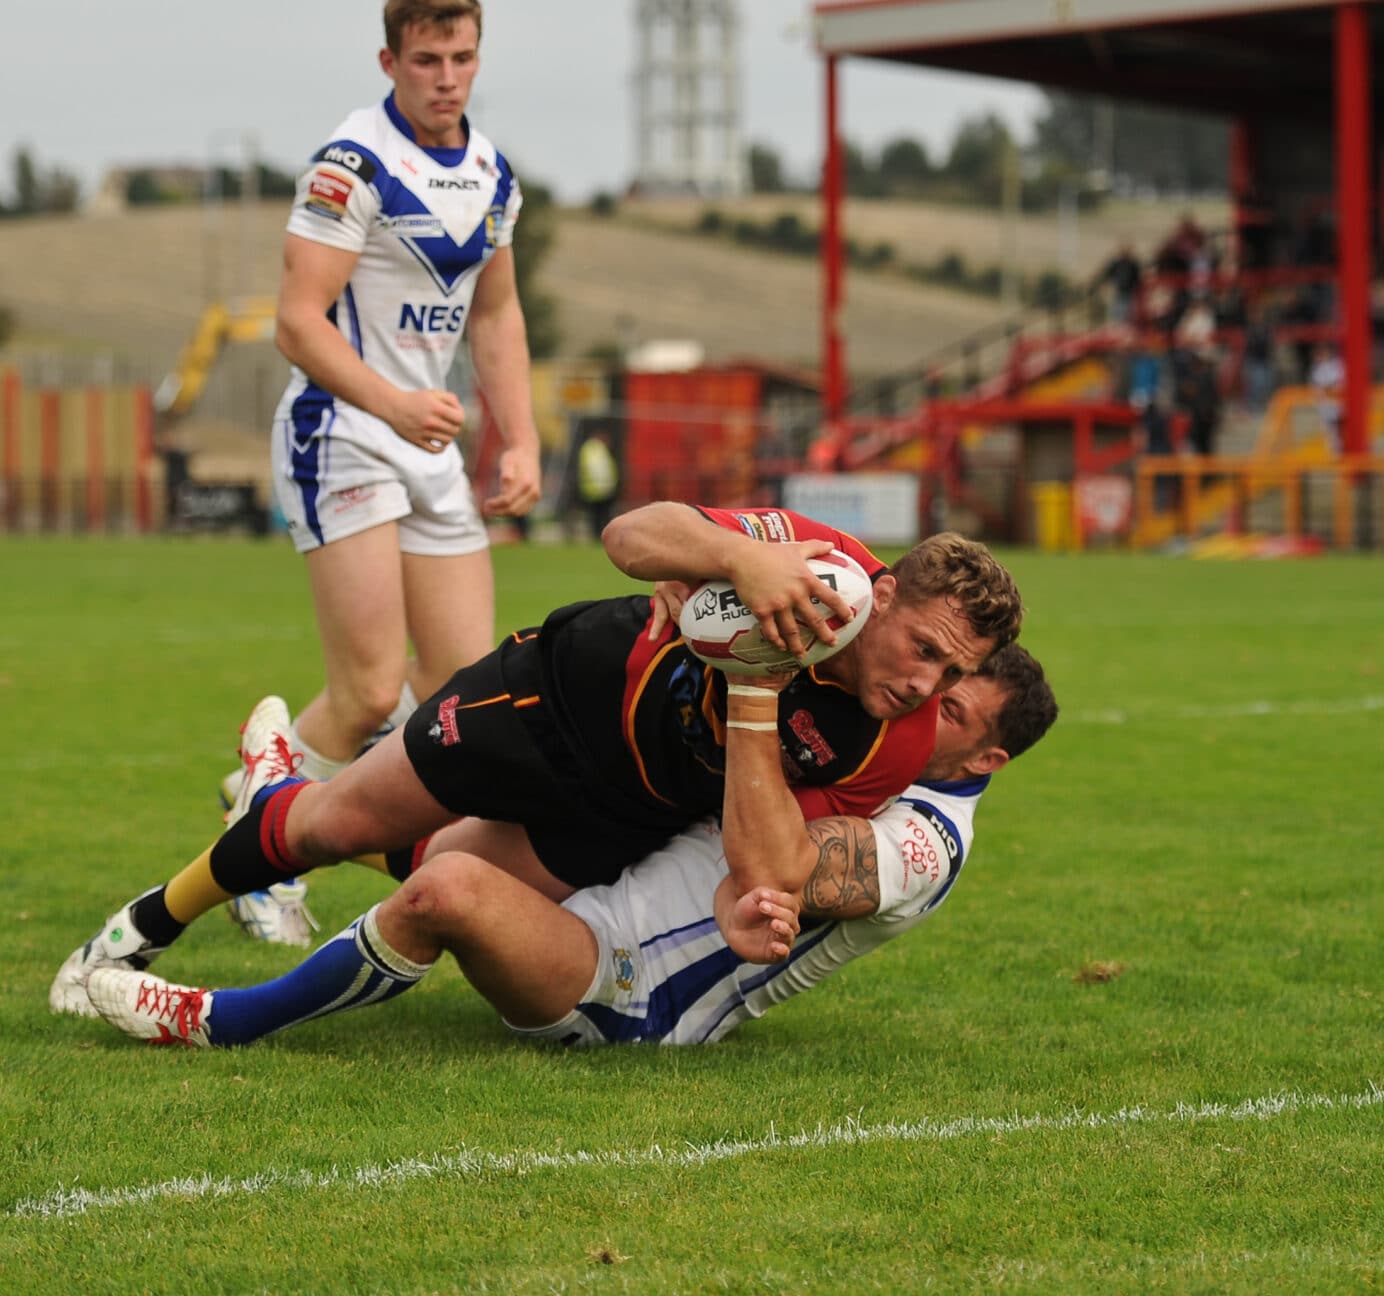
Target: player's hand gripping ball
[(722, 631)]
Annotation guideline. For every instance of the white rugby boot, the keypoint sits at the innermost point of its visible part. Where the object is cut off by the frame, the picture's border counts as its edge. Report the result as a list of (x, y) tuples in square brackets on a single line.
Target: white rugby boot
[(119, 944), (266, 754), (149, 1008), (279, 915)]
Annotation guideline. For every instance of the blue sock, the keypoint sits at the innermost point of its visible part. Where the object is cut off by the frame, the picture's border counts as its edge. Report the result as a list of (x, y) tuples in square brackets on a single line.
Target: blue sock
[(351, 970)]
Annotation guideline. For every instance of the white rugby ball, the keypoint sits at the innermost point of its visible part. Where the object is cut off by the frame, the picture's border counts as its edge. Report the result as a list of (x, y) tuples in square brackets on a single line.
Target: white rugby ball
[(721, 630)]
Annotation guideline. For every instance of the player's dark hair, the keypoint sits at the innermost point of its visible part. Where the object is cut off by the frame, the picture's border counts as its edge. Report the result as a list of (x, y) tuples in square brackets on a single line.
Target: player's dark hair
[(399, 14), (1029, 707), (967, 575)]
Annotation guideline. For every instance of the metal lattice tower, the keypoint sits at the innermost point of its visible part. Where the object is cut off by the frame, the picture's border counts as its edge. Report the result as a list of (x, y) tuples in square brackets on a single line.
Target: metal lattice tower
[(687, 97)]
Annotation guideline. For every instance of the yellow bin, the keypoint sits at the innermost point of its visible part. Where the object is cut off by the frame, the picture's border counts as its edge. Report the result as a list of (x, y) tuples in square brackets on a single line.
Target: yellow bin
[(1052, 516)]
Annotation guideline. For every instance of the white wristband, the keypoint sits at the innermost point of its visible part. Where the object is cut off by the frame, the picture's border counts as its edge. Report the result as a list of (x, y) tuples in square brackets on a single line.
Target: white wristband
[(750, 691), (758, 726)]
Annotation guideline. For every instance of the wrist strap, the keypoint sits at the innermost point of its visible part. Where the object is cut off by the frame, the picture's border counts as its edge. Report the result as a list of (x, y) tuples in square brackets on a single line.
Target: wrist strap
[(758, 726), (751, 691)]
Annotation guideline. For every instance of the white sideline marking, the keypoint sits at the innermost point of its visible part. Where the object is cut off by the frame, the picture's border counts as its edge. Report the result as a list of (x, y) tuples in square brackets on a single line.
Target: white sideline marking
[(1231, 710), (65, 1202)]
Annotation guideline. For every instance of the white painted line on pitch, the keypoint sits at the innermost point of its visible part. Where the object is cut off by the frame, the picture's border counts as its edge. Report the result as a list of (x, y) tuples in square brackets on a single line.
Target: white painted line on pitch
[(66, 1202), (1232, 710)]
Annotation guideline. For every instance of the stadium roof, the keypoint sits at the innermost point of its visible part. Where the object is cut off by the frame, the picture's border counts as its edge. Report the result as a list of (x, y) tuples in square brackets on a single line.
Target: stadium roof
[(1241, 57)]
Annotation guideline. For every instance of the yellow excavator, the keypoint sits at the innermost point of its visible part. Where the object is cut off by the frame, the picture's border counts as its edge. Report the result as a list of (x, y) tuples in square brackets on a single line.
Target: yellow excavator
[(244, 319)]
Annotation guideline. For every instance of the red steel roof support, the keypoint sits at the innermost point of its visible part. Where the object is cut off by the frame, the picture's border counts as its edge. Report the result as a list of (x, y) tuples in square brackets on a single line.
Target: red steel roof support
[(1354, 158)]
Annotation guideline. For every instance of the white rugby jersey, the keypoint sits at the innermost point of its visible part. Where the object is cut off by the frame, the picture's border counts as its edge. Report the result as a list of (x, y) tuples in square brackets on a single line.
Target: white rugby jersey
[(425, 221), (669, 975)]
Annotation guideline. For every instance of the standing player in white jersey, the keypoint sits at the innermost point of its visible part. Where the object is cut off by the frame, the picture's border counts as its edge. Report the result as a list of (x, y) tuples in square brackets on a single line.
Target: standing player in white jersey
[(669, 953), (399, 240)]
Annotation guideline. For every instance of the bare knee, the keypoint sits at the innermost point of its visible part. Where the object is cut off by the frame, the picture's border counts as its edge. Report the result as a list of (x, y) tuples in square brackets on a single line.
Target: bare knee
[(442, 895)]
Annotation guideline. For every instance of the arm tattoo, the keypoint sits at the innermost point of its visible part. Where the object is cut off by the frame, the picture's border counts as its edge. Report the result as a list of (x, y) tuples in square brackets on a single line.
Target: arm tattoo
[(845, 880)]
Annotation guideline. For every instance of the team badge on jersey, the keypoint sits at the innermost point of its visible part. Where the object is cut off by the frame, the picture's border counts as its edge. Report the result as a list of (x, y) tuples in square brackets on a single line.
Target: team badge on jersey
[(624, 969)]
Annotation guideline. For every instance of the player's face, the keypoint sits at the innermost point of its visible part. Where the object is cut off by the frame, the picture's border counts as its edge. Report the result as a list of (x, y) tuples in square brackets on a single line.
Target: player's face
[(432, 75), (964, 718), (909, 651)]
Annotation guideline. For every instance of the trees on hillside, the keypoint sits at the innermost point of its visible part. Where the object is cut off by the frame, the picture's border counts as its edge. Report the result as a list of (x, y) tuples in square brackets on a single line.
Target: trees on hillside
[(1081, 145), (36, 191)]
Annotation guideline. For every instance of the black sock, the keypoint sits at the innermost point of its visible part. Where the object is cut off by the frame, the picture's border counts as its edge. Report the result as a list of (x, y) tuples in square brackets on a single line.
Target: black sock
[(150, 914)]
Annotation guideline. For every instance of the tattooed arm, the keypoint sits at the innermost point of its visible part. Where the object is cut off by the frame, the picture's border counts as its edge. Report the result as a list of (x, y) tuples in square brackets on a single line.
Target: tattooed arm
[(844, 882)]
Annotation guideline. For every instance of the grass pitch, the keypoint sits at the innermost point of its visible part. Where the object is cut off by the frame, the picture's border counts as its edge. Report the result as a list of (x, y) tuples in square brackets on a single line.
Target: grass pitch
[(1139, 1049)]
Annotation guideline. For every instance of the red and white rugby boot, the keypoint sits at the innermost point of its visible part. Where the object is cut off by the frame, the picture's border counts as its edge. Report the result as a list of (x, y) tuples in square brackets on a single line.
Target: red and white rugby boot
[(266, 753), (149, 1008)]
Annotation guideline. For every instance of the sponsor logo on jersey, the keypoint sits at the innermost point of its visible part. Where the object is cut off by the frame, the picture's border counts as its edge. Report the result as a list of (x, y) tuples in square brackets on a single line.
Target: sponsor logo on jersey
[(815, 749), (920, 858), (328, 194), (414, 226), (446, 182), (343, 155), (430, 319), (944, 831), (444, 728), (768, 526)]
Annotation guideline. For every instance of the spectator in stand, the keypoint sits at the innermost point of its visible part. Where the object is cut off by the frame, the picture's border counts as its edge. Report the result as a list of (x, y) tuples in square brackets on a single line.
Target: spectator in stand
[(1185, 249), (1196, 330), (1123, 273), (1154, 436), (1259, 376), (1254, 223), (1304, 312), (1198, 396), (1328, 377)]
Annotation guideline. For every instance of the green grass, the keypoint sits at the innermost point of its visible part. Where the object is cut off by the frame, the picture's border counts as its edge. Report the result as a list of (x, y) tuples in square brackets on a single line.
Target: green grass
[(1206, 817)]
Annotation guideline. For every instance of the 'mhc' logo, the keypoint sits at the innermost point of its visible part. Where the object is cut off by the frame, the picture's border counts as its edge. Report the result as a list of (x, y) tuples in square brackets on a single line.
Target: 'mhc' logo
[(431, 319), (351, 159)]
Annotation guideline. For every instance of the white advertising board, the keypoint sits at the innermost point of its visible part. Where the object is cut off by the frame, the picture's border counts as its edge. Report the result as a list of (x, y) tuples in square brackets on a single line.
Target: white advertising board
[(880, 508)]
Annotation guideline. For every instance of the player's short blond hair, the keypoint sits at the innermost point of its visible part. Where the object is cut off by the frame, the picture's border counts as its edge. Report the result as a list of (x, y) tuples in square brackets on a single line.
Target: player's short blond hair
[(399, 14), (966, 574)]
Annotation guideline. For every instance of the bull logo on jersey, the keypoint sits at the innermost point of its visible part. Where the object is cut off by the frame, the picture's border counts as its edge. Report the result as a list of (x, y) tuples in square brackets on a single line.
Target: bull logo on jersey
[(624, 969)]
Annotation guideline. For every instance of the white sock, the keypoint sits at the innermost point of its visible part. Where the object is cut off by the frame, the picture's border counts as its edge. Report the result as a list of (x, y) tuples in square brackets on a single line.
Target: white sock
[(405, 707), (315, 765)]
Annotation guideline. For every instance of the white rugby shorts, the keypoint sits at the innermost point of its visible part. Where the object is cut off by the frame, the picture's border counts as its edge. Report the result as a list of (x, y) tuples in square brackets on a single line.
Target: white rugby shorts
[(351, 472), (663, 972)]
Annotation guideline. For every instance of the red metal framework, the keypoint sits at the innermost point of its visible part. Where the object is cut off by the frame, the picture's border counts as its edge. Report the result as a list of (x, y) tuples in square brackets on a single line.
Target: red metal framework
[(1252, 62)]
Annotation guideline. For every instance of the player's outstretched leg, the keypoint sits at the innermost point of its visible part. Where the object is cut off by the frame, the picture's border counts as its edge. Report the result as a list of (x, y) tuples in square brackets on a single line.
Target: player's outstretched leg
[(279, 914), (144, 928), (351, 970)]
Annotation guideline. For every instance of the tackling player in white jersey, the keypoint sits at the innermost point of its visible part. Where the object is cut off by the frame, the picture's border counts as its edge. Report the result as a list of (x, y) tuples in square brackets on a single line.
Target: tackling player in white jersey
[(399, 241), (670, 952)]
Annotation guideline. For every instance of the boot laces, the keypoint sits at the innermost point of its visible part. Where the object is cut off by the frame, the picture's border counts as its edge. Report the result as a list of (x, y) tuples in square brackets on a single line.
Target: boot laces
[(178, 1005)]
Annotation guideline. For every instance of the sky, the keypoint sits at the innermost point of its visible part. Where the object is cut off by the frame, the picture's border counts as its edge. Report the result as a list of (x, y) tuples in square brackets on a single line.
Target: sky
[(91, 84)]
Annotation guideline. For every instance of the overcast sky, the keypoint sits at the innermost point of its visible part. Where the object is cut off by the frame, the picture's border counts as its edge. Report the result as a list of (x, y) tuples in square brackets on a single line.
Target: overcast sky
[(88, 84)]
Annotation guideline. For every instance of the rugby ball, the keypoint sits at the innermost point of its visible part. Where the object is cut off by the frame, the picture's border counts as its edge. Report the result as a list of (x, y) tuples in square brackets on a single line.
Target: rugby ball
[(722, 631)]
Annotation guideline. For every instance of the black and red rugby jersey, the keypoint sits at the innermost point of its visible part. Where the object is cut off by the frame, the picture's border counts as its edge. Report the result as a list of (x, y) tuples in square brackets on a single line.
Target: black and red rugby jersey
[(648, 717)]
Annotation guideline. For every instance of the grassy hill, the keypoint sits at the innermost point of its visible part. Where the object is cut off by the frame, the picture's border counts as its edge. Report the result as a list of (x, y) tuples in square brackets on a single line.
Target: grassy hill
[(134, 284)]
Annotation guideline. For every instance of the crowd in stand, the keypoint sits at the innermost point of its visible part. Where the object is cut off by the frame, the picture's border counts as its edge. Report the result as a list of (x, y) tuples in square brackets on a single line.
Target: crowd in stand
[(1212, 319)]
